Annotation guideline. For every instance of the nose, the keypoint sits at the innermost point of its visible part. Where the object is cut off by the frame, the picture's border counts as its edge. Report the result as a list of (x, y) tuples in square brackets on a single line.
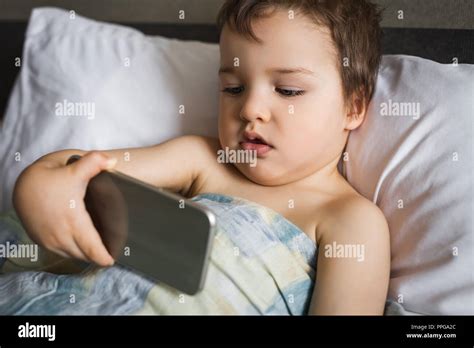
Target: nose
[(254, 108)]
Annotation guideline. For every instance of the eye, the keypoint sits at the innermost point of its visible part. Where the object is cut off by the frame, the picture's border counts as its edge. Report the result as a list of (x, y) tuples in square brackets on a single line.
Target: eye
[(284, 92), (289, 92), (232, 90)]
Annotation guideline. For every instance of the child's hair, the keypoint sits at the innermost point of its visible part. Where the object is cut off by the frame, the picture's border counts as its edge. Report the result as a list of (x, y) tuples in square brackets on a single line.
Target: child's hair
[(355, 31)]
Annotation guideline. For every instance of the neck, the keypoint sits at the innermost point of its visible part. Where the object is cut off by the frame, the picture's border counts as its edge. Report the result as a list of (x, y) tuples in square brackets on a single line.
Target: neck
[(325, 179)]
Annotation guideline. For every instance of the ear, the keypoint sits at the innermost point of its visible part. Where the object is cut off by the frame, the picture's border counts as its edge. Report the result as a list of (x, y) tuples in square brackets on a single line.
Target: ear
[(355, 112)]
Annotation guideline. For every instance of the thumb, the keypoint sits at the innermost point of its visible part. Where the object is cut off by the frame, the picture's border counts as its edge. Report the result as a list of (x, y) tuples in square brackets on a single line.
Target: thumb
[(92, 163)]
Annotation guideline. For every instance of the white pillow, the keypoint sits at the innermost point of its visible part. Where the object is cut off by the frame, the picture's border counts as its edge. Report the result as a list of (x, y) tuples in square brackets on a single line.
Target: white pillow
[(418, 167), (126, 89)]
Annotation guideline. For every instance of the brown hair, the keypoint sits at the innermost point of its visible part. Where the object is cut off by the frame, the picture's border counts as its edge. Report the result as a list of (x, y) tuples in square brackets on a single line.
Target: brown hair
[(355, 32)]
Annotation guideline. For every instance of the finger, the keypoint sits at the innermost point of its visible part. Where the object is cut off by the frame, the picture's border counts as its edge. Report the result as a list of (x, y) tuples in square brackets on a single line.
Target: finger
[(67, 248), (92, 164), (74, 250), (60, 252), (89, 242)]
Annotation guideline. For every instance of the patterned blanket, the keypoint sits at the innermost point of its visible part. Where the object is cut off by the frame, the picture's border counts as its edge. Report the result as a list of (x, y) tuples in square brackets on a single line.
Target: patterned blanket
[(260, 263)]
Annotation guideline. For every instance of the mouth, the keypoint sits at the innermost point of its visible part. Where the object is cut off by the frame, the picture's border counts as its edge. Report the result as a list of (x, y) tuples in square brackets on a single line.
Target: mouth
[(256, 142)]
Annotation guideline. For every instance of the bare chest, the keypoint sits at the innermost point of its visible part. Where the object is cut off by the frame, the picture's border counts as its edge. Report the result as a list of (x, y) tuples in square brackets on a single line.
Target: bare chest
[(300, 208)]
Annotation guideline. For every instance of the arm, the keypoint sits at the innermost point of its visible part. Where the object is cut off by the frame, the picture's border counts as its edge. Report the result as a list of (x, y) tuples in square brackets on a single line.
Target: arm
[(175, 164), (44, 190), (357, 283)]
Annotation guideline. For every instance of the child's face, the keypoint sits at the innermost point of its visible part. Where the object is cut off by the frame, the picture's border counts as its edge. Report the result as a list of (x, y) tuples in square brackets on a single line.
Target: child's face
[(307, 131)]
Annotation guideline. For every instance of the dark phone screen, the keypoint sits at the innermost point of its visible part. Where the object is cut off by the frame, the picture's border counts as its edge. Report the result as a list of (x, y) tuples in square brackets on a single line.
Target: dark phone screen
[(159, 236)]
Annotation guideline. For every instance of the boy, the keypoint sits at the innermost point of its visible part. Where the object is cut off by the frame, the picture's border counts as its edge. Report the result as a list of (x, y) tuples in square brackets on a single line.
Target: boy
[(295, 77)]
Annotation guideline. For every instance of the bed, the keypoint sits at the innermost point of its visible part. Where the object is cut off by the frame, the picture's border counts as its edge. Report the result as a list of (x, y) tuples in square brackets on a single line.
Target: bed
[(374, 174)]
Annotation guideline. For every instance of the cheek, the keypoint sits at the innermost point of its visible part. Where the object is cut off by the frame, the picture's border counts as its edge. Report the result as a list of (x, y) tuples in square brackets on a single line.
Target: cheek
[(313, 134), (326, 114), (228, 126), (227, 112)]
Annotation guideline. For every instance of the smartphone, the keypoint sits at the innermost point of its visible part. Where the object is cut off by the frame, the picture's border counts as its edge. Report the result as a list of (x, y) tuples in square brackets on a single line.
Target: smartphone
[(151, 230)]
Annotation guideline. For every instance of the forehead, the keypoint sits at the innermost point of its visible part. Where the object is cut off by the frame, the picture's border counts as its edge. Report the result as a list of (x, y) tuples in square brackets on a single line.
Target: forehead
[(285, 41)]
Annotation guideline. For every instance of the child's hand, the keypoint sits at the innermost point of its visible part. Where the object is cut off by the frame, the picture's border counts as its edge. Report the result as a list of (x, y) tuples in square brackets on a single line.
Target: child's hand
[(49, 199)]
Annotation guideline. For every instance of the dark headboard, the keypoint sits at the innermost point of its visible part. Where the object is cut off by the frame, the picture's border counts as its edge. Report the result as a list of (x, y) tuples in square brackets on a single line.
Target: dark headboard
[(440, 45)]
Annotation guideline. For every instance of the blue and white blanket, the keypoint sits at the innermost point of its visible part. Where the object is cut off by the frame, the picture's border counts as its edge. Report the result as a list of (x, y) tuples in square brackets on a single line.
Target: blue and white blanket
[(260, 263)]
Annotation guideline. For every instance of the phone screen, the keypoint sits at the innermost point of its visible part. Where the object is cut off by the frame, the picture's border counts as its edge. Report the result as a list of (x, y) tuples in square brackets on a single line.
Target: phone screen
[(150, 230)]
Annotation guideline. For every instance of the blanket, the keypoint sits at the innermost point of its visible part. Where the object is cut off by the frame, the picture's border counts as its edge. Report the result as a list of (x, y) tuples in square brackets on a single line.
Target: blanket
[(260, 264)]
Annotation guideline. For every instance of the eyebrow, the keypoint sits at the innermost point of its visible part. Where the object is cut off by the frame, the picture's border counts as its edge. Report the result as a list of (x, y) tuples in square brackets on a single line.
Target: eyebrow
[(296, 70)]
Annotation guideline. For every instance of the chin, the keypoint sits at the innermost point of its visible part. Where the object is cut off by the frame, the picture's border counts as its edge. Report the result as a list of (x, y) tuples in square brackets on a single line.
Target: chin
[(261, 176)]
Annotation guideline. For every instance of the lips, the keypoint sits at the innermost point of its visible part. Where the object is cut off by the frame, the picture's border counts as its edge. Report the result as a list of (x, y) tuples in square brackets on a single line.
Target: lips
[(256, 142), (255, 138)]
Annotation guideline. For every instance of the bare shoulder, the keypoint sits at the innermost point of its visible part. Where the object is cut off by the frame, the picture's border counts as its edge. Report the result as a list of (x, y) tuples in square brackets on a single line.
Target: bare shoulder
[(353, 217), (354, 262), (208, 145), (202, 152)]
